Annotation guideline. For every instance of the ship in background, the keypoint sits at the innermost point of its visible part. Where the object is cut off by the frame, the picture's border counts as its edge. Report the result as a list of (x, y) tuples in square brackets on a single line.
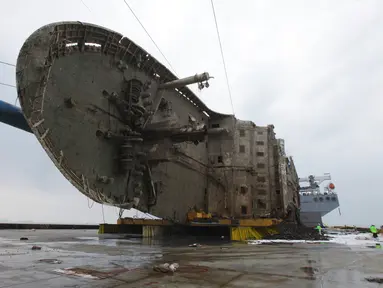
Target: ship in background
[(314, 203)]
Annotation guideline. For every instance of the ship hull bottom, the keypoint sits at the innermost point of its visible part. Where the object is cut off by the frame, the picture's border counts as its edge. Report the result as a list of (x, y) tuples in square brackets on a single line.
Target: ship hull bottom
[(311, 219)]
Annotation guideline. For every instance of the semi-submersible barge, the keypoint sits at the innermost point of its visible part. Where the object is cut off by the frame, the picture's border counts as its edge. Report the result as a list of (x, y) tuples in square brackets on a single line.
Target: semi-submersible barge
[(126, 132)]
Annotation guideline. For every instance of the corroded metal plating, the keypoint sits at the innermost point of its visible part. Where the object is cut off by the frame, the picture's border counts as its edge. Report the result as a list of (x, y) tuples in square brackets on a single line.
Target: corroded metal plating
[(134, 95)]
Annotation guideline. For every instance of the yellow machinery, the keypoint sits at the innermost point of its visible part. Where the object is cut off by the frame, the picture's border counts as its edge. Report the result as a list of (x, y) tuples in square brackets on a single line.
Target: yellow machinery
[(251, 233), (194, 215), (240, 229)]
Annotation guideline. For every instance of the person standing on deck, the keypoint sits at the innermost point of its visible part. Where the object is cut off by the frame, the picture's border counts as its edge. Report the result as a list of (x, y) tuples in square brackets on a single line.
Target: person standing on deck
[(319, 228), (374, 231)]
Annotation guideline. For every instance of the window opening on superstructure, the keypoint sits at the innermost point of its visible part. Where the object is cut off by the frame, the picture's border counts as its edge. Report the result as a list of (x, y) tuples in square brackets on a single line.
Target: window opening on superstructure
[(261, 204), (261, 179), (261, 192)]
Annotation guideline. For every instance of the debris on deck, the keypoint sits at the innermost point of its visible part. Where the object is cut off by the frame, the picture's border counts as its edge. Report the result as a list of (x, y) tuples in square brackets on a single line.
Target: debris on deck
[(296, 232), (375, 280), (166, 267)]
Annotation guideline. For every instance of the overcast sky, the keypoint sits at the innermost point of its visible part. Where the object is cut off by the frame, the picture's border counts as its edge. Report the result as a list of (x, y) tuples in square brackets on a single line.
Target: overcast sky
[(311, 68)]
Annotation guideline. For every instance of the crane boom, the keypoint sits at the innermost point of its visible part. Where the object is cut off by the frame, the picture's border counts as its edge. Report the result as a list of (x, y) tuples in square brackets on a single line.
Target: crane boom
[(317, 179), (314, 181)]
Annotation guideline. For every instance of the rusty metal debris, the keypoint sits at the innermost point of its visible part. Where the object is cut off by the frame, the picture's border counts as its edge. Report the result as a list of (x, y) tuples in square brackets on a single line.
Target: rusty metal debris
[(294, 232)]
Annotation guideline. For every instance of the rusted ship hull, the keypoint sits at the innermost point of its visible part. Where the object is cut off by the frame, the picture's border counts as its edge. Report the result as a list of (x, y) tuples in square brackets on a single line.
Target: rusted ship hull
[(126, 132)]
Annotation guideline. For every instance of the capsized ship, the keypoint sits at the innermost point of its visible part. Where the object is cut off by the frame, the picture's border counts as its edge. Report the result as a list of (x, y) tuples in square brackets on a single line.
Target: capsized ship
[(127, 132), (316, 203)]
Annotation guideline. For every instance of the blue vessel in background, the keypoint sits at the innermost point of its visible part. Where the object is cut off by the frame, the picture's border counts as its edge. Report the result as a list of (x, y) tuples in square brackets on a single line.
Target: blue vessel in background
[(13, 116), (314, 203)]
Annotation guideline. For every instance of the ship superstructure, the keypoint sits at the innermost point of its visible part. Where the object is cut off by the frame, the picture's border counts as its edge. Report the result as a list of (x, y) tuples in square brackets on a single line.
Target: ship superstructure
[(316, 203)]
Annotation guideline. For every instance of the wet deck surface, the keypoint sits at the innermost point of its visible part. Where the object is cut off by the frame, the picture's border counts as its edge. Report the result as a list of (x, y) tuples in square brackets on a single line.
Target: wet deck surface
[(129, 263)]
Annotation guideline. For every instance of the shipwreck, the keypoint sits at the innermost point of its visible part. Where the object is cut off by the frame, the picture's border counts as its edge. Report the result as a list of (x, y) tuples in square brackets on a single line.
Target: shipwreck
[(127, 132)]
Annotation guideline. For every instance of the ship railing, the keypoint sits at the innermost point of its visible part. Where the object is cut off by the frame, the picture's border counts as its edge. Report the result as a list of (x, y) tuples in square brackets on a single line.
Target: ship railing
[(317, 193)]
